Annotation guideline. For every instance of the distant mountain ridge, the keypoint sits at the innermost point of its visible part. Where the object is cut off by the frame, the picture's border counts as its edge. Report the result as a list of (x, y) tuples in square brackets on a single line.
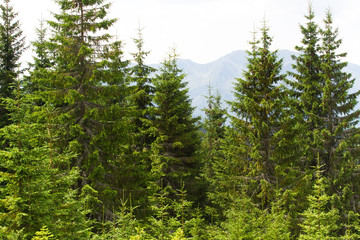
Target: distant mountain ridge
[(221, 74)]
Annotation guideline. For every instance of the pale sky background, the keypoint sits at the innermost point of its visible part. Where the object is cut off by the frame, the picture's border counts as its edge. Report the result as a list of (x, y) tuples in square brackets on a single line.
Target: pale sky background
[(204, 30)]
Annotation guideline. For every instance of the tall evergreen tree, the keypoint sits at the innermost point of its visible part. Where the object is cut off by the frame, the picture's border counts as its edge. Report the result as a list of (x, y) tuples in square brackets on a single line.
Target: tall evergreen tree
[(141, 106), (86, 85), (326, 106), (339, 134), (142, 94), (41, 59), (177, 141), (307, 87), (260, 141), (211, 150), (12, 46)]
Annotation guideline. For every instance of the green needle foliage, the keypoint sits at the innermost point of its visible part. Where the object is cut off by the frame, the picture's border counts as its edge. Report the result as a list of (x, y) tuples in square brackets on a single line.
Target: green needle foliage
[(211, 150), (177, 139), (214, 127), (142, 92), (339, 133), (142, 115), (87, 87), (261, 131), (307, 87), (245, 220), (321, 218), (43, 234), (36, 191), (352, 227), (12, 46), (41, 58), (326, 107), (93, 146)]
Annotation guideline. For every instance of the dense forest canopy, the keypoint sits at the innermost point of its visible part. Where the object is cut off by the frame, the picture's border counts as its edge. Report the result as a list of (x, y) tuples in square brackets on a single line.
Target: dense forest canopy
[(97, 146)]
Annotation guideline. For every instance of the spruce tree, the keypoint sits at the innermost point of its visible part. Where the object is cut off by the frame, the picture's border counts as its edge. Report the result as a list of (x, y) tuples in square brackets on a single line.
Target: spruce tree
[(173, 157), (12, 46), (307, 85), (142, 94), (142, 116), (326, 107), (211, 150), (243, 220), (43, 234), (352, 226), (214, 127), (321, 218), (339, 133), (86, 85), (41, 58), (37, 188), (246, 220), (260, 141)]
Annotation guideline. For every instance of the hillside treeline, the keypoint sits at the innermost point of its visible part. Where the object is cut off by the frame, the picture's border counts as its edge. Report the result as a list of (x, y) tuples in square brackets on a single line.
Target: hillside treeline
[(96, 146)]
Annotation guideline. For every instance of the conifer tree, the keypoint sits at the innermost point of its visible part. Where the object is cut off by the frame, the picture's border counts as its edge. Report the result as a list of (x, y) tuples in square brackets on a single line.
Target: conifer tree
[(307, 87), (339, 134), (142, 116), (307, 90), (326, 104), (86, 85), (124, 226), (260, 141), (41, 58), (214, 126), (142, 94), (277, 224), (243, 220), (321, 219), (162, 221), (173, 157), (173, 218), (211, 150), (326, 108), (12, 46), (36, 191), (246, 220)]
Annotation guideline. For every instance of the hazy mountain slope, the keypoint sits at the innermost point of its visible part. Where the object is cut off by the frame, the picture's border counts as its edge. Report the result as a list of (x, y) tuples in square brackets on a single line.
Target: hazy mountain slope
[(221, 73)]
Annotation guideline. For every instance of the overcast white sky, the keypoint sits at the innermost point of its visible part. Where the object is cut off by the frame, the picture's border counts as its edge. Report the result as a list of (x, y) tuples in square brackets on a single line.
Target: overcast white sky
[(204, 30)]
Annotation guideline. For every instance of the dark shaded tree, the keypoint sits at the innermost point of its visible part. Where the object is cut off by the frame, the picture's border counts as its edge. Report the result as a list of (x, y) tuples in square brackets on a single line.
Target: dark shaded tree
[(177, 140), (142, 116), (86, 85), (260, 142), (307, 86), (12, 46), (211, 154), (339, 134), (214, 128)]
